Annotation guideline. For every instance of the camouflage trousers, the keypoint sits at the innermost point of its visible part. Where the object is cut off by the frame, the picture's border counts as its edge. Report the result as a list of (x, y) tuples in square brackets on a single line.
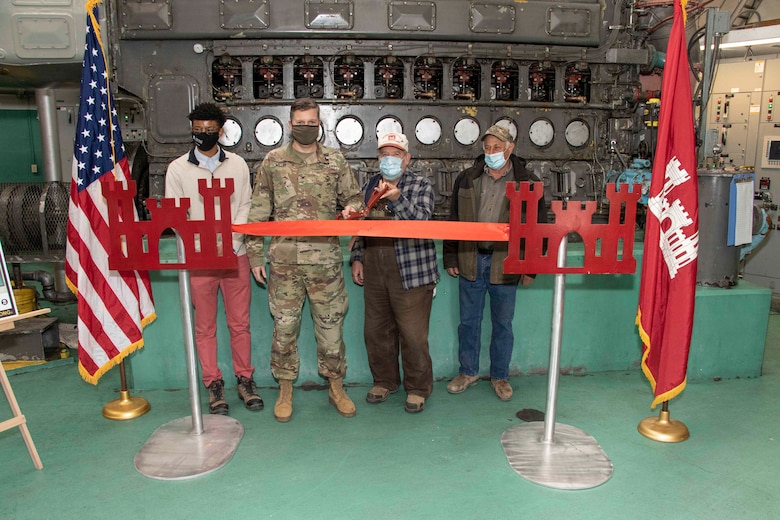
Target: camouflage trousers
[(288, 287)]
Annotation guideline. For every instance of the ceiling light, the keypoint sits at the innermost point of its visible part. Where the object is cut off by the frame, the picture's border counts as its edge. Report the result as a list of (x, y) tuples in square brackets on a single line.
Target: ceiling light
[(751, 37)]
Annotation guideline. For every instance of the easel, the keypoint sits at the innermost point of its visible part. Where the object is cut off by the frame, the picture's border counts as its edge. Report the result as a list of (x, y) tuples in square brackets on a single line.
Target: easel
[(18, 419)]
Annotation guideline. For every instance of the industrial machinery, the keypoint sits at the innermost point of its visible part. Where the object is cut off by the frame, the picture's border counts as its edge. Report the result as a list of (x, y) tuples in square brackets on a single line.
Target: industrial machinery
[(563, 77)]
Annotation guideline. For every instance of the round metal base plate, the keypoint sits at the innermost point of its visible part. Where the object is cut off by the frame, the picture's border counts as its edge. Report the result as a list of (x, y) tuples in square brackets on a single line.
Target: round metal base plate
[(573, 461), (174, 453)]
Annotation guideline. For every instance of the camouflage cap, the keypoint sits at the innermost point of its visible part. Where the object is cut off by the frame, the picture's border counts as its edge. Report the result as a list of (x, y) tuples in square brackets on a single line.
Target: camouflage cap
[(499, 131)]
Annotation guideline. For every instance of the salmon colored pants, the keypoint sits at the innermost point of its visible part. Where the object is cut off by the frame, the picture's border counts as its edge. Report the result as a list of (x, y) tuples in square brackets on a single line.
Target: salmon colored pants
[(236, 295)]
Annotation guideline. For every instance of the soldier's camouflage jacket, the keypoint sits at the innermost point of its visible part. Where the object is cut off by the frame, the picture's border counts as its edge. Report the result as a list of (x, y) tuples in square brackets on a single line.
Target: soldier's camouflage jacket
[(288, 187)]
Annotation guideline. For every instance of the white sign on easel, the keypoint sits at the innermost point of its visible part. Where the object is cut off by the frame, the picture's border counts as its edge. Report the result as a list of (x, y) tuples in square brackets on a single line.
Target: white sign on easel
[(7, 300)]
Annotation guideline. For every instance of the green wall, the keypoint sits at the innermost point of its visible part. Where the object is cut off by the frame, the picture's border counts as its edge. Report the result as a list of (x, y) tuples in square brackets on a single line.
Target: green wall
[(21, 134), (599, 333)]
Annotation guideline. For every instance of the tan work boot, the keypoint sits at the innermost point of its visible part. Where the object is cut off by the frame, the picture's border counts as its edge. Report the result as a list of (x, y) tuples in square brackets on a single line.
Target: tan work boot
[(414, 403), (461, 383), (503, 389), (339, 398), (283, 406), (247, 392), (217, 403)]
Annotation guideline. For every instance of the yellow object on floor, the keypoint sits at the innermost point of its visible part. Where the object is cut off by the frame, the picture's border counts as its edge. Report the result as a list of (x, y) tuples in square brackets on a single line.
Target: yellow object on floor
[(10, 365), (26, 299)]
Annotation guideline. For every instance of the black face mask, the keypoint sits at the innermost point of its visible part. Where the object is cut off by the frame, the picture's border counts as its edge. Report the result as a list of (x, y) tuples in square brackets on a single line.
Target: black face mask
[(305, 134), (204, 141)]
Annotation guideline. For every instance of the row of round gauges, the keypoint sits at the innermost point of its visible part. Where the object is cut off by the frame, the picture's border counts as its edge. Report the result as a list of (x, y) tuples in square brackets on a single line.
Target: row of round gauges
[(428, 130)]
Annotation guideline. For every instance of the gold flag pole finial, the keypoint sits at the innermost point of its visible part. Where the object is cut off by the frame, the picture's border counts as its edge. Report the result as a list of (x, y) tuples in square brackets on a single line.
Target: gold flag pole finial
[(663, 428)]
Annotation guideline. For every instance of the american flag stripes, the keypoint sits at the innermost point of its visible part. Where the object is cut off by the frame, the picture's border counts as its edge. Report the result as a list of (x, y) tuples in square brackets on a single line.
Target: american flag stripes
[(113, 306)]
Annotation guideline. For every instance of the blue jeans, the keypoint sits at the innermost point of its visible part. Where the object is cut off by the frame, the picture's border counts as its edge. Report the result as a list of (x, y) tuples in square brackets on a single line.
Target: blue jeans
[(502, 310)]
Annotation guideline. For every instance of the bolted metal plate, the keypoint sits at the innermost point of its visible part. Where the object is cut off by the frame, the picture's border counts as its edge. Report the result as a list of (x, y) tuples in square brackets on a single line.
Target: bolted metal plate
[(565, 21), (573, 461), (44, 36), (146, 15), (174, 453), (172, 93), (246, 14), (485, 18), (411, 16), (329, 15)]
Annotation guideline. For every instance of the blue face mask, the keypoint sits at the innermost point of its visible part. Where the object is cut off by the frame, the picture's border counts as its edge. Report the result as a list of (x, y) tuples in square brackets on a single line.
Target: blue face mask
[(495, 161), (390, 167)]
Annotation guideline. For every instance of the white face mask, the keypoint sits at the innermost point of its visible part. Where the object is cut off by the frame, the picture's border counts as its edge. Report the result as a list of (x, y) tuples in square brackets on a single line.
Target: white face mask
[(495, 161)]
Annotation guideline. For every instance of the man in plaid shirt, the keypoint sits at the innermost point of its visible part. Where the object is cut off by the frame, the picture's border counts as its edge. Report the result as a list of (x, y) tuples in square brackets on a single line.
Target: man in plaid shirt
[(399, 276)]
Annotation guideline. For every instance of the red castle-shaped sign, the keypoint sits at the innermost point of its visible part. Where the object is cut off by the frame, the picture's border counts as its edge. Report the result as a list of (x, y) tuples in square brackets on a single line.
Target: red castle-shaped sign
[(135, 245), (608, 247)]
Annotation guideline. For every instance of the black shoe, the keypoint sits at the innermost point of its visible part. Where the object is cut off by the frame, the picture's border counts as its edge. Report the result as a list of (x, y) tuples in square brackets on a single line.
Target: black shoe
[(248, 394), (217, 403)]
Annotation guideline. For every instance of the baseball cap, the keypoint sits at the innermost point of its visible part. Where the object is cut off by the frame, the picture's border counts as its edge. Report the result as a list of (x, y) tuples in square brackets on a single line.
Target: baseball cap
[(499, 131), (393, 139)]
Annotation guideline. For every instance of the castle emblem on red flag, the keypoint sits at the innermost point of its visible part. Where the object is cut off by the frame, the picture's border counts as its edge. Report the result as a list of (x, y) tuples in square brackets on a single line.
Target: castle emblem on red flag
[(679, 249)]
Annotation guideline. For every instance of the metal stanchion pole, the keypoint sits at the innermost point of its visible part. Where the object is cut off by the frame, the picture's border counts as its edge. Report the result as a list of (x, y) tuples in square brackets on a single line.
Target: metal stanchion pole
[(553, 454), (555, 345), (176, 451), (189, 343)]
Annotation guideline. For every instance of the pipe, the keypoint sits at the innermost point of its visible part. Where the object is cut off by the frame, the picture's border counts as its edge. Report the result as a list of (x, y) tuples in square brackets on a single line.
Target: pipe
[(554, 370), (50, 137), (46, 279), (60, 279)]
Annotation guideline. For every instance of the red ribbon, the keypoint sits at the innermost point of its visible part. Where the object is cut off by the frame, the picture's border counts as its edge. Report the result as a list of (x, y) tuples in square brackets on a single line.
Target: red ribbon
[(433, 229)]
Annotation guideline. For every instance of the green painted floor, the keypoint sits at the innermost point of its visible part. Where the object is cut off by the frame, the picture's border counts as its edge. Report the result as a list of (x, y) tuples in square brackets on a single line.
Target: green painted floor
[(386, 464)]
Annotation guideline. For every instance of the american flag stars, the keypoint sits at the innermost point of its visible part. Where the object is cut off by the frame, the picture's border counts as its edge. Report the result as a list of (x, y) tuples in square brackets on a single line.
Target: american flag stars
[(95, 150)]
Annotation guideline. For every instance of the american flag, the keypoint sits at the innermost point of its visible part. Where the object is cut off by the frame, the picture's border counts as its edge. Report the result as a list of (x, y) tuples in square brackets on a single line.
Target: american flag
[(113, 306)]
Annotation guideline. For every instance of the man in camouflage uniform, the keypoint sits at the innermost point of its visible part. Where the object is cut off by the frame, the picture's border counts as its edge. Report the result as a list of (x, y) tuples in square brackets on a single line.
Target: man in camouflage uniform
[(304, 181)]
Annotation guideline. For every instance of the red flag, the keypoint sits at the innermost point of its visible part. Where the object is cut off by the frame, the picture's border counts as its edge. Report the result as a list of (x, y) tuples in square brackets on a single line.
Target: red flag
[(113, 306), (668, 289)]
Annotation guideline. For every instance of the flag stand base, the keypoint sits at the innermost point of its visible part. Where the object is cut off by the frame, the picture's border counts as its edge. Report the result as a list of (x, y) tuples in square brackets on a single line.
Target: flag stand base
[(198, 444), (573, 460), (663, 428), (553, 454), (175, 452), (126, 407)]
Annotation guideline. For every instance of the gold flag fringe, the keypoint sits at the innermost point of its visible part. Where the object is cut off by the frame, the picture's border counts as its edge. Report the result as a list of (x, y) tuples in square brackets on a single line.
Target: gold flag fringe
[(669, 394)]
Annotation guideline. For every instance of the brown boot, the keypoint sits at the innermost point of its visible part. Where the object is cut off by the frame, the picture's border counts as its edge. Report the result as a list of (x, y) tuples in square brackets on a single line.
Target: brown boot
[(340, 399), (217, 403), (283, 406), (247, 392)]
